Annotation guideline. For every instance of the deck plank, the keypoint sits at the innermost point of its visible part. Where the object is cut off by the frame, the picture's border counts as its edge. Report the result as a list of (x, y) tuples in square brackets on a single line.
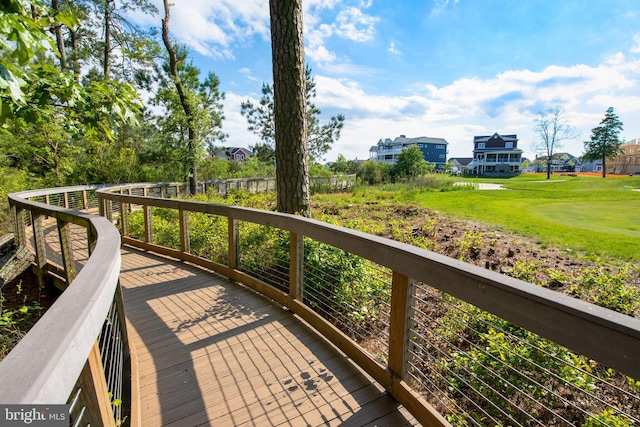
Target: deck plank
[(211, 352)]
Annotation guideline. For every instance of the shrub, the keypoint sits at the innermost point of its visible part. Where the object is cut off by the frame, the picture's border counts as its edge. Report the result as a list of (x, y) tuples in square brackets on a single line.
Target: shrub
[(608, 289)]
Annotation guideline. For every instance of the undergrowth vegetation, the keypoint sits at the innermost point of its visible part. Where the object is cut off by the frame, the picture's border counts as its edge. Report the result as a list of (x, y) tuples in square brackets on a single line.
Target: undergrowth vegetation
[(14, 323)]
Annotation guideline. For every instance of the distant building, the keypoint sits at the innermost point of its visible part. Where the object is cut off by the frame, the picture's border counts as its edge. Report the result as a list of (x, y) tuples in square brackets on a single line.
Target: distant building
[(560, 162), (628, 162), (496, 155), (461, 164), (233, 153), (434, 150)]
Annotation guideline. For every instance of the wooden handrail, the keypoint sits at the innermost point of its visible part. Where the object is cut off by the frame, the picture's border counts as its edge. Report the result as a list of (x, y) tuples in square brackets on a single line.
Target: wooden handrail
[(46, 364)]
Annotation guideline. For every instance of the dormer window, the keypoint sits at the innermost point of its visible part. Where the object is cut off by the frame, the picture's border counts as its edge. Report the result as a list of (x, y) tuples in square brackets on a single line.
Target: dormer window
[(508, 144), (480, 145)]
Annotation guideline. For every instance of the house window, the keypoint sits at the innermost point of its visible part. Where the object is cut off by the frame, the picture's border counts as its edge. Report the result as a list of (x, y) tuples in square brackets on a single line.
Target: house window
[(508, 144), (439, 147), (442, 156), (491, 157), (420, 145), (480, 144), (503, 157)]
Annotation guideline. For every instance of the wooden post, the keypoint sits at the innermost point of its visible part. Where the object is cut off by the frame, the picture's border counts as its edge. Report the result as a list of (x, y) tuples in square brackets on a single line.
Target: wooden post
[(94, 385), (109, 210), (124, 217), (233, 242), (399, 323), (41, 253), (101, 203), (20, 237), (85, 203), (148, 231), (92, 238), (66, 200), (67, 251), (296, 265), (183, 218)]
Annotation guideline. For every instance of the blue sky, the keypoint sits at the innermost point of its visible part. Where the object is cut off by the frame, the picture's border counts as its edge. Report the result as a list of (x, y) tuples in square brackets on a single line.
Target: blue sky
[(440, 68)]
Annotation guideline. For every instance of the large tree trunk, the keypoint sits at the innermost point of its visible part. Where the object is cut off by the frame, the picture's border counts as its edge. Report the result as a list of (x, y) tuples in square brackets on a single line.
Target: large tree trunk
[(186, 106), (106, 68), (292, 169), (57, 30)]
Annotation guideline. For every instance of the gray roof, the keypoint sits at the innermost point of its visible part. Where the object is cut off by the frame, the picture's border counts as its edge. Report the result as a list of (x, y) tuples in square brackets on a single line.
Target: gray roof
[(419, 140), (463, 161), (485, 138)]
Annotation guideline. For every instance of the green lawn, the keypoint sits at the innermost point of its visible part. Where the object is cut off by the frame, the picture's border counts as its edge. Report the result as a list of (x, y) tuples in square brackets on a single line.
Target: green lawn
[(587, 214)]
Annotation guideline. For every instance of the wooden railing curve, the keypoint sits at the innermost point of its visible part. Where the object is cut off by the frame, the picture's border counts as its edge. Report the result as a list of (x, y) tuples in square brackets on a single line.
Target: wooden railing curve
[(46, 365), (580, 326)]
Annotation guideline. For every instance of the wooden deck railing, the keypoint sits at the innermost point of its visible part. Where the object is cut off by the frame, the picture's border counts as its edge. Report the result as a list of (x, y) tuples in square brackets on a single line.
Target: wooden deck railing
[(399, 345), (397, 349), (63, 358)]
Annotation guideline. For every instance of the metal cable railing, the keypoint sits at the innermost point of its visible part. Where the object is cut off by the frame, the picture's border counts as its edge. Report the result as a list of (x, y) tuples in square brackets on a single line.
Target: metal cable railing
[(489, 371)]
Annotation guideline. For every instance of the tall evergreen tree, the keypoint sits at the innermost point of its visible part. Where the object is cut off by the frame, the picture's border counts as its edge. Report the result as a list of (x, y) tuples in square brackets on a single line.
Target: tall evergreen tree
[(605, 142), (261, 122), (289, 102)]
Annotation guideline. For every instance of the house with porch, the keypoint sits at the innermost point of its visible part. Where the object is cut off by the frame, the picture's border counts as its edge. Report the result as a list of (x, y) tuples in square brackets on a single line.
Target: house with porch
[(560, 162), (434, 150), (239, 154), (496, 155)]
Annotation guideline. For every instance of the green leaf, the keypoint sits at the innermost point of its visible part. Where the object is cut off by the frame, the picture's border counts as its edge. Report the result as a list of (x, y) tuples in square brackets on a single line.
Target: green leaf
[(13, 83)]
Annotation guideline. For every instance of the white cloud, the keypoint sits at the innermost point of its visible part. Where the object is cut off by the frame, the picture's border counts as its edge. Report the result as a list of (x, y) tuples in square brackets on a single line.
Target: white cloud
[(248, 74), (213, 27), (393, 49), (441, 5), (506, 103), (349, 23), (354, 25)]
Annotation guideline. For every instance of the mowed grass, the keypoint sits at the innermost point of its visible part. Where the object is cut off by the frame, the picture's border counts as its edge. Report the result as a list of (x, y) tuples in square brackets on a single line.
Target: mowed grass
[(592, 215)]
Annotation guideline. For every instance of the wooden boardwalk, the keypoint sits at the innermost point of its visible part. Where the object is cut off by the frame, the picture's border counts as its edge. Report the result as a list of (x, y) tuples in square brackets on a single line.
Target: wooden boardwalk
[(211, 352)]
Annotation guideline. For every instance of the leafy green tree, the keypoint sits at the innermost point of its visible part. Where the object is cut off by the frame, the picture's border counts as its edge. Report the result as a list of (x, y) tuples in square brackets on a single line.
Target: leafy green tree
[(372, 172), (108, 39), (411, 163), (352, 166), (261, 122), (33, 89), (194, 108), (605, 141), (340, 165)]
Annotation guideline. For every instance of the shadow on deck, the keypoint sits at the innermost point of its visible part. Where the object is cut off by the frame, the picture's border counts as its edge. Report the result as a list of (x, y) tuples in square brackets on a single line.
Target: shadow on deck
[(212, 352)]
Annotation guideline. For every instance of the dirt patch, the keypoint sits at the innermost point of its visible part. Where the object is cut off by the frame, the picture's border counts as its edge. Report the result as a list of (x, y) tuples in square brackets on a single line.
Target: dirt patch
[(484, 245)]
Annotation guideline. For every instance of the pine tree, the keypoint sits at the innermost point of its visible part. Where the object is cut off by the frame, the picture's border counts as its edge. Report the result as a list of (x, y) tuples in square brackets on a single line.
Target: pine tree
[(605, 141)]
